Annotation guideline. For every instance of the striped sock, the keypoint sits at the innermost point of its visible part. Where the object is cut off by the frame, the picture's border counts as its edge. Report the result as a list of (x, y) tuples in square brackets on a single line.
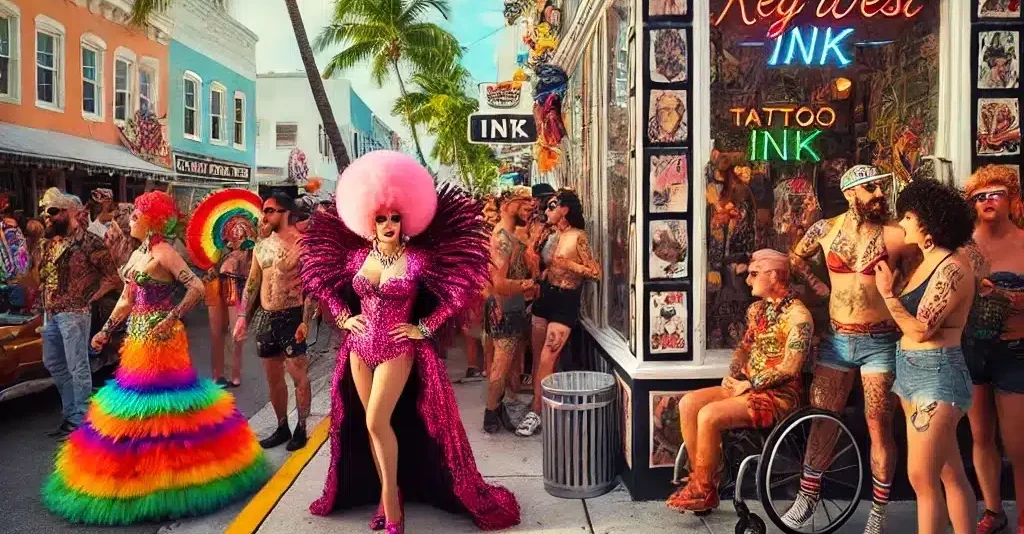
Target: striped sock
[(810, 482), (880, 493)]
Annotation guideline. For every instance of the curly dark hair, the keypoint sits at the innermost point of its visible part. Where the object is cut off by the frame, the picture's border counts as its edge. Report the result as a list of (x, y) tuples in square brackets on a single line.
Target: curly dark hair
[(942, 211), (569, 199)]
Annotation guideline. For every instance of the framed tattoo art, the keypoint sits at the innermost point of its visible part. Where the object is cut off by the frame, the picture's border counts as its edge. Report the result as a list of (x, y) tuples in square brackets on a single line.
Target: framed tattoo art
[(668, 120), (669, 250), (669, 57), (669, 327), (668, 9), (626, 400), (669, 179), (998, 9), (998, 130), (999, 60), (666, 436)]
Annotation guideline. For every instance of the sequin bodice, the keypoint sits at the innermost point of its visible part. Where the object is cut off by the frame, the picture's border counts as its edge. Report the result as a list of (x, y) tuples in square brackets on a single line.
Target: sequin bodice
[(151, 295), (383, 308)]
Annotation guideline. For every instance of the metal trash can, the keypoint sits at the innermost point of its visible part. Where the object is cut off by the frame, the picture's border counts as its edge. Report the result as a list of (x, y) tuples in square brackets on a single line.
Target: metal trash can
[(580, 426)]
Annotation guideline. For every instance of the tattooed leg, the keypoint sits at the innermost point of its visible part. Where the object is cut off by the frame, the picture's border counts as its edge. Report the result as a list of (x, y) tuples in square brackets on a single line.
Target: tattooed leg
[(558, 334), (879, 403), (298, 369), (829, 391), (504, 354), (689, 408)]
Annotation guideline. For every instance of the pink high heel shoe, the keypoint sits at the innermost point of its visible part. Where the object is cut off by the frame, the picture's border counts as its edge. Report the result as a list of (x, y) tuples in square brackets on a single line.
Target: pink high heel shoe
[(395, 527), (378, 522)]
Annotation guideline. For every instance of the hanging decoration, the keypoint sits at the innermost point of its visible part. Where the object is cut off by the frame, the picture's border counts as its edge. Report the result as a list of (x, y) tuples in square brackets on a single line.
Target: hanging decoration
[(543, 25), (298, 169), (222, 218), (143, 135)]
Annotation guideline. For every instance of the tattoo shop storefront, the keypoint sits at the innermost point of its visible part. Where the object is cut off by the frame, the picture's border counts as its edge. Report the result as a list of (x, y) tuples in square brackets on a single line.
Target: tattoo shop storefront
[(197, 176), (701, 131)]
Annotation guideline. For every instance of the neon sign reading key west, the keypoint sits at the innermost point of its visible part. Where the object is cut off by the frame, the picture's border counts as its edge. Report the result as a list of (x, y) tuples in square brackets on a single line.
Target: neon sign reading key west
[(782, 12)]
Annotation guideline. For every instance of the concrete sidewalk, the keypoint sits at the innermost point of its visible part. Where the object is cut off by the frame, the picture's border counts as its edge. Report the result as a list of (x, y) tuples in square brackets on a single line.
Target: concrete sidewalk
[(505, 459)]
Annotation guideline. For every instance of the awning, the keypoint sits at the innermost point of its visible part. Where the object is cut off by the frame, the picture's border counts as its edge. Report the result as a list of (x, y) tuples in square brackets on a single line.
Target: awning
[(62, 150)]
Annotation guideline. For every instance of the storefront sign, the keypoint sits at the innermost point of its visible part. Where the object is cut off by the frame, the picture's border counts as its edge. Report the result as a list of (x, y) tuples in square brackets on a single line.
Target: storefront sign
[(783, 145), (832, 49), (502, 129), (781, 13), (786, 116), (211, 169)]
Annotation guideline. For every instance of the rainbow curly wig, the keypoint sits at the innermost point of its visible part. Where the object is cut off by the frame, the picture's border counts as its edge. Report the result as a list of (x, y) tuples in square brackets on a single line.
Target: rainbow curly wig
[(386, 180), (159, 214), (999, 176)]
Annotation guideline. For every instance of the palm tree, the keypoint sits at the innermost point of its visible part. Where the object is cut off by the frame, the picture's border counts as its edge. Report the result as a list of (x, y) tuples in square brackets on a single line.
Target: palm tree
[(141, 10), (388, 34)]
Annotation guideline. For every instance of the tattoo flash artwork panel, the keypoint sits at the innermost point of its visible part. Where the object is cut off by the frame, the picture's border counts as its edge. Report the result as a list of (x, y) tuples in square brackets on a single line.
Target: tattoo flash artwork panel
[(666, 435), (669, 250), (999, 9), (626, 400), (670, 183), (998, 127), (667, 8), (999, 60), (668, 55), (668, 322), (668, 118)]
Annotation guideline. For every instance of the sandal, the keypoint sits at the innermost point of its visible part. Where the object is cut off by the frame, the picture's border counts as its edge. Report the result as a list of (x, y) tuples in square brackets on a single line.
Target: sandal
[(221, 382), (233, 384)]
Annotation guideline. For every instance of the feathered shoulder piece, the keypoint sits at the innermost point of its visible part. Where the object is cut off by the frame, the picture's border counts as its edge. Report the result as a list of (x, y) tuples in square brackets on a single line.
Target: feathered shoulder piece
[(455, 246), (331, 256)]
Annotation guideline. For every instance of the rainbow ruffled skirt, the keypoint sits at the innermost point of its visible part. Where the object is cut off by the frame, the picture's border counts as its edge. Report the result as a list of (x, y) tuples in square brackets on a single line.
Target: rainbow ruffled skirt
[(158, 443)]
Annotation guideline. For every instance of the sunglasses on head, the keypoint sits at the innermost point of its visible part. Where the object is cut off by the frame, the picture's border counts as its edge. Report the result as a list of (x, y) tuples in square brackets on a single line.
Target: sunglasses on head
[(381, 219), (988, 195), (53, 212), (268, 211)]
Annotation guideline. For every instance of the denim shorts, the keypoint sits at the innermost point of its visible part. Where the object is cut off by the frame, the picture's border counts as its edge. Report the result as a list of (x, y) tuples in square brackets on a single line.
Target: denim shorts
[(871, 353), (997, 363), (933, 375)]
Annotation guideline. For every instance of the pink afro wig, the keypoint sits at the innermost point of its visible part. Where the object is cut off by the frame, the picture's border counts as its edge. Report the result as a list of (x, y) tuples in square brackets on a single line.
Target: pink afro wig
[(159, 214), (386, 180)]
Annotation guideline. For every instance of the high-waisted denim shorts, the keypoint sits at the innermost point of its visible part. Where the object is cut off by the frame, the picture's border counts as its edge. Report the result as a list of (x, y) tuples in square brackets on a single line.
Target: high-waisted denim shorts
[(933, 375)]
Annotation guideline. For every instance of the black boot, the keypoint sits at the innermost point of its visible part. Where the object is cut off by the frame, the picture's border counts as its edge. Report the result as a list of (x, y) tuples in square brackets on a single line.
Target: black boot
[(492, 421), (280, 436), (298, 438)]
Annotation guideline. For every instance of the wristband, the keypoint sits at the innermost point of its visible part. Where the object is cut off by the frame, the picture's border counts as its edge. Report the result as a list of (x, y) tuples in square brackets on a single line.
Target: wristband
[(424, 331)]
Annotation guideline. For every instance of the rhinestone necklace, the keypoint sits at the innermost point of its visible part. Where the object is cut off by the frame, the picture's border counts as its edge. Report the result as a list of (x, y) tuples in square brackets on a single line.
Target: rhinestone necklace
[(387, 260)]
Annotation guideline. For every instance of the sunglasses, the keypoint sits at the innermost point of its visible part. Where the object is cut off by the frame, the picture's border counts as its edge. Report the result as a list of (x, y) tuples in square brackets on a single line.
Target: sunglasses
[(381, 219), (552, 206), (269, 211), (990, 195), (53, 212)]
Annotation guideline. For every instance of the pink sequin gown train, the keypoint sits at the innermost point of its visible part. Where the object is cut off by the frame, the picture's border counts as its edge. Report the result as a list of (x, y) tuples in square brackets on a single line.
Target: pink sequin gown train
[(447, 266)]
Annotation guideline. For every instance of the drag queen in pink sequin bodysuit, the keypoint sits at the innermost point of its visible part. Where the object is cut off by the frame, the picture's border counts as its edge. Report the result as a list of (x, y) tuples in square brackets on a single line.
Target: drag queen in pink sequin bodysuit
[(398, 269)]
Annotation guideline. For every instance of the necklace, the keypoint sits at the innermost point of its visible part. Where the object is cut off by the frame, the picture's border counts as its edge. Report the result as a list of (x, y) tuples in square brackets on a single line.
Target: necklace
[(387, 260)]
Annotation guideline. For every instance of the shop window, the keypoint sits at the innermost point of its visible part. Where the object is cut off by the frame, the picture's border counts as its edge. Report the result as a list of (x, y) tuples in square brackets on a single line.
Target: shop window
[(92, 76), (617, 202), (147, 88), (239, 132), (287, 134), (124, 81), (49, 63), (217, 114), (192, 105), (10, 74), (789, 114)]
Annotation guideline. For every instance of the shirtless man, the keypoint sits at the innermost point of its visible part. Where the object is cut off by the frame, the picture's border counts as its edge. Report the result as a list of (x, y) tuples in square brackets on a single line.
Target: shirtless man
[(863, 336), (557, 310), (281, 318), (506, 306)]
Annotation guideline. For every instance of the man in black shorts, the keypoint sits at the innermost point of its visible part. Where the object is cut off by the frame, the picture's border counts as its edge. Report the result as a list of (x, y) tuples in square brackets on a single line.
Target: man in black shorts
[(280, 315)]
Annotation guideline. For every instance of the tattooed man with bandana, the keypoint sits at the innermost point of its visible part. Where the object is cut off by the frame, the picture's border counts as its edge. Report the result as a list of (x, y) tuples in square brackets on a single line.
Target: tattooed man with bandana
[(763, 385), (862, 337)]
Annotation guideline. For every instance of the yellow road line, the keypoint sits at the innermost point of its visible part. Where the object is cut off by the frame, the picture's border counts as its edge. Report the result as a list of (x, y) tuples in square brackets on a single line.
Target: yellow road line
[(263, 503)]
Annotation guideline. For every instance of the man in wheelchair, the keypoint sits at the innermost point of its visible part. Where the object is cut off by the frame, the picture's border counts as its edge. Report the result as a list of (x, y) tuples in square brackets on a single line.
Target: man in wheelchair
[(763, 385)]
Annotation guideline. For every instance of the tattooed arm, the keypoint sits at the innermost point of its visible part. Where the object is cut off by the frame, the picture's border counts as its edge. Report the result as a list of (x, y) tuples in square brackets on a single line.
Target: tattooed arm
[(501, 256), (587, 267), (798, 343), (251, 296), (741, 354), (122, 310), (805, 249), (939, 300), (170, 259)]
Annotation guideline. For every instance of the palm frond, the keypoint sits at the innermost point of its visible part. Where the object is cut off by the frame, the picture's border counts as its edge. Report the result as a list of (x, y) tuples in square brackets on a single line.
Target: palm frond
[(381, 68), (421, 8), (350, 57), (427, 44), (342, 33)]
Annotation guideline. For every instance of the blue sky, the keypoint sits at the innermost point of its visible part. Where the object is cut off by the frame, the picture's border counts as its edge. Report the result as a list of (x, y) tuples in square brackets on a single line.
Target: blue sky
[(475, 23)]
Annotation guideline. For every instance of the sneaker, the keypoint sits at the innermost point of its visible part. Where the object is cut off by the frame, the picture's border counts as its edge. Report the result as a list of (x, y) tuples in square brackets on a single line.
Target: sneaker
[(695, 497), (801, 512), (529, 426), (279, 437), (878, 521), (298, 440), (66, 427), (992, 522), (492, 421), (473, 374)]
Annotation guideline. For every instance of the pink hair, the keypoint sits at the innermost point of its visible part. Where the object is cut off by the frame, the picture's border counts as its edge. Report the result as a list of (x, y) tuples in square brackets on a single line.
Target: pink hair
[(386, 180)]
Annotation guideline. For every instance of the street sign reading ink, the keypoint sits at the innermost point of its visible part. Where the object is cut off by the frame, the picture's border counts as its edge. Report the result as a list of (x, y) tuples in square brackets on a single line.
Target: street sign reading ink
[(502, 129)]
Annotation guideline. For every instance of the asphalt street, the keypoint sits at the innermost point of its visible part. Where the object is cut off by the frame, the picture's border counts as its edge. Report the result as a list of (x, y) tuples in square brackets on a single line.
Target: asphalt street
[(26, 453)]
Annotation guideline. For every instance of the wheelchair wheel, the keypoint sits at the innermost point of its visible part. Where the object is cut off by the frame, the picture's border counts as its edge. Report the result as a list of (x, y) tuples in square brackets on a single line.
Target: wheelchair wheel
[(781, 466)]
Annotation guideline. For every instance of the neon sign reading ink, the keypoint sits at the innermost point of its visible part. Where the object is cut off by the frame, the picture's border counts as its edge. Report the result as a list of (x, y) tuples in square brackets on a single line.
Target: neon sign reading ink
[(782, 12), (786, 144), (830, 46)]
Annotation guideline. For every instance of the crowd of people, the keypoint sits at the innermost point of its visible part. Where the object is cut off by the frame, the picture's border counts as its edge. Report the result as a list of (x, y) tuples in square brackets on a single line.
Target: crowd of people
[(927, 309)]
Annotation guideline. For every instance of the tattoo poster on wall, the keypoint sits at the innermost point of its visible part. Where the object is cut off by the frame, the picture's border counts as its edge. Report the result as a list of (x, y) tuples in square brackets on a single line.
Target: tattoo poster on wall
[(668, 55), (667, 8), (666, 435), (999, 9), (668, 322), (669, 249), (998, 127), (670, 187), (668, 120), (999, 60), (626, 400)]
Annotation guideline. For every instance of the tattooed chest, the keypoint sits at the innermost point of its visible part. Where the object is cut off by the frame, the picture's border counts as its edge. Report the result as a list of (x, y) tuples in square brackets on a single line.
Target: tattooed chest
[(855, 299)]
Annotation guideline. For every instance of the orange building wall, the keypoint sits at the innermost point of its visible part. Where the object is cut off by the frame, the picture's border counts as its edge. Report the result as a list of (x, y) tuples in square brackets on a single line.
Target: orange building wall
[(77, 21)]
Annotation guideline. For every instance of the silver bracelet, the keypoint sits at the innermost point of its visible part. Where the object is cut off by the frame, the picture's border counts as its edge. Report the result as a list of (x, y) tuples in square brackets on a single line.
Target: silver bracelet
[(424, 331)]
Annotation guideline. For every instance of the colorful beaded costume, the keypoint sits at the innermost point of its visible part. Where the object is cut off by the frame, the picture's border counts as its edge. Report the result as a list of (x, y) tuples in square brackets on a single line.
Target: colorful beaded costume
[(158, 443)]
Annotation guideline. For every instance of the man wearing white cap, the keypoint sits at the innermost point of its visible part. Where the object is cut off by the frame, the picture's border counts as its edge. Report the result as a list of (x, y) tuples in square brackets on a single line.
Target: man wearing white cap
[(863, 336)]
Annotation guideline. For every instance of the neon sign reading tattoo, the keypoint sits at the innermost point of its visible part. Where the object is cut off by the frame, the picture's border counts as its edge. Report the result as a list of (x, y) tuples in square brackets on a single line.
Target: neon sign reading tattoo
[(831, 45), (783, 12), (803, 116), (783, 145)]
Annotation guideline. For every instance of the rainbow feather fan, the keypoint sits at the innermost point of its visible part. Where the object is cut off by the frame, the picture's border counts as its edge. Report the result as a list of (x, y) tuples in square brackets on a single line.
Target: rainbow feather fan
[(220, 216)]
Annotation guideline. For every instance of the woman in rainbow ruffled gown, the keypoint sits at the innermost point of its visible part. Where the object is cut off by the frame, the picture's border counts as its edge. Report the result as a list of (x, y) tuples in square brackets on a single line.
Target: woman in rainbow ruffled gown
[(158, 442)]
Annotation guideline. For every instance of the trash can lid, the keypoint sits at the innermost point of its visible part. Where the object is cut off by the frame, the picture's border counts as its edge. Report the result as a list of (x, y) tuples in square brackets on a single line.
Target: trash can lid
[(577, 383)]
